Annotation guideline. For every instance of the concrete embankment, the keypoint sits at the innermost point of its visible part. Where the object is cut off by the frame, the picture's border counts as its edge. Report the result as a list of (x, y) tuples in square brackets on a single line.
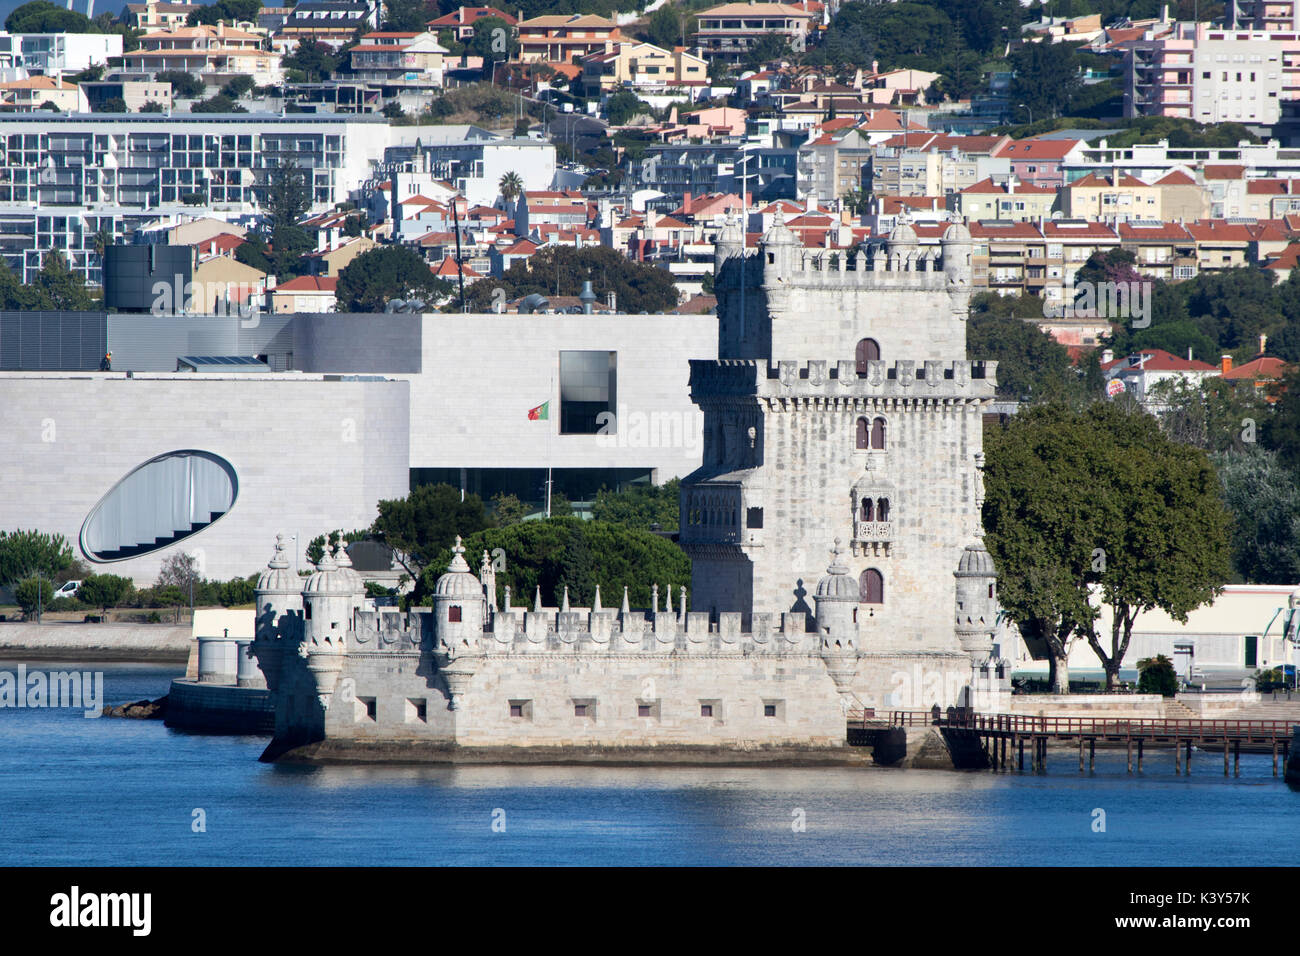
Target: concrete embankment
[(135, 643)]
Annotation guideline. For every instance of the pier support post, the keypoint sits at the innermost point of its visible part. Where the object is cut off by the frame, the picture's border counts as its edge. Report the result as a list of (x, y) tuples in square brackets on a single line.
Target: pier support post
[(1130, 755), (1275, 756), (1225, 756), (1187, 764), (1236, 758), (1020, 741), (1140, 742), (1092, 754), (1178, 756), (1081, 753)]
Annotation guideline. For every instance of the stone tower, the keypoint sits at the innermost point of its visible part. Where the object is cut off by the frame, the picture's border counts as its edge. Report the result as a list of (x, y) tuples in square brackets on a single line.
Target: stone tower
[(841, 406)]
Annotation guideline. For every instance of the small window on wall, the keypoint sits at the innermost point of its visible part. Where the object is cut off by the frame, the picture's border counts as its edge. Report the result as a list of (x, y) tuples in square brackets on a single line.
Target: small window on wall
[(868, 351), (588, 392), (453, 614), (871, 587)]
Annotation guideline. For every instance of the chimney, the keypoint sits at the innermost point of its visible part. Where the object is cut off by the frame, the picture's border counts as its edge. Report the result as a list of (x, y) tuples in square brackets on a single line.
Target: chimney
[(686, 204), (1225, 364), (1263, 340), (1107, 356), (1189, 353)]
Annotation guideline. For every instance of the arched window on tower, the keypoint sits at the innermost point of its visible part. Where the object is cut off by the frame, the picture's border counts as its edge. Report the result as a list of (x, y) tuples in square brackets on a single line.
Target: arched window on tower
[(864, 434), (868, 510), (871, 587), (882, 510), (868, 351), (877, 433)]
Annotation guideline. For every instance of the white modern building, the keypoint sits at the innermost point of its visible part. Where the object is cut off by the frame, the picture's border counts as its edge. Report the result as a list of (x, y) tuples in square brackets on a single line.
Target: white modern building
[(134, 470), (54, 53), (64, 177), (473, 166)]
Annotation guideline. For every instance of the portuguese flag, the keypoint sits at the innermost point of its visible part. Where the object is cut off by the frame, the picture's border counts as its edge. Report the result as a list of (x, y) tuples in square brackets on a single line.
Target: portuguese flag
[(541, 413)]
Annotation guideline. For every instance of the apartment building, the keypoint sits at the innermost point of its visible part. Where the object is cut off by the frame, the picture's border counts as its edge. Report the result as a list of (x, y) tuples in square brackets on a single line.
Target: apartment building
[(1164, 250), (216, 54), (1278, 16), (332, 22), (63, 178), (642, 67), (1211, 75), (52, 53), (461, 21), (936, 164), (561, 38), (1041, 162), (1111, 197), (394, 57), (1007, 199), (43, 92), (730, 31), (835, 164), (153, 15)]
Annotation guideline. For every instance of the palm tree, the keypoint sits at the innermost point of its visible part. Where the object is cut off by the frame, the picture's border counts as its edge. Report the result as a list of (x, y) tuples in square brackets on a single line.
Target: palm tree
[(511, 185)]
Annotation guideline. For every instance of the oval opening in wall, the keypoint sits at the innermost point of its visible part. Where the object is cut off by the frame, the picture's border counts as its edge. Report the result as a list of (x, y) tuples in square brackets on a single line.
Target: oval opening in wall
[(158, 503)]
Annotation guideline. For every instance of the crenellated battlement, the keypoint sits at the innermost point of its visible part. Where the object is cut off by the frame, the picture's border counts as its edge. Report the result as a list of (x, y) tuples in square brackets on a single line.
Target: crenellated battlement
[(841, 378), (588, 631)]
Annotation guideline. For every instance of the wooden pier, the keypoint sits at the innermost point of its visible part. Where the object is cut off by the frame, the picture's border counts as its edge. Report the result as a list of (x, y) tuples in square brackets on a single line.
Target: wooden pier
[(1003, 738)]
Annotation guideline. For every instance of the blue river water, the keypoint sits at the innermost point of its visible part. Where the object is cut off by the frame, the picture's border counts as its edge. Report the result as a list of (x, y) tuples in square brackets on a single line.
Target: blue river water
[(99, 792)]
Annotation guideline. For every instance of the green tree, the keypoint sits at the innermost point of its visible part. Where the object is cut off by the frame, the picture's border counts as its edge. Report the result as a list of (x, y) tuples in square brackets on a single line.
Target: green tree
[(1032, 366), (32, 594), (382, 274), (493, 40), (510, 186), (1046, 76), (153, 106), (427, 521), (104, 591), (40, 16), (184, 85), (287, 198), (1156, 675), (1281, 430), (508, 509), (238, 592), (231, 11), (561, 270), (315, 61), (624, 105), (1040, 529), (665, 28), (58, 288), (1264, 499), (1164, 531), (25, 554), (640, 506), (1213, 415), (556, 552), (238, 86)]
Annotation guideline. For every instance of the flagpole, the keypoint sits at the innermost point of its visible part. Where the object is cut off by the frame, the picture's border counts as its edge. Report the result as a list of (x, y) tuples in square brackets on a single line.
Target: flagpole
[(550, 430)]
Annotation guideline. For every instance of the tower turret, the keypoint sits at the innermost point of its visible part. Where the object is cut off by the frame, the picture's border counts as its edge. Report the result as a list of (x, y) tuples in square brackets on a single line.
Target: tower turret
[(459, 610), (780, 247), (977, 602), (836, 600), (277, 625), (327, 604), (956, 249)]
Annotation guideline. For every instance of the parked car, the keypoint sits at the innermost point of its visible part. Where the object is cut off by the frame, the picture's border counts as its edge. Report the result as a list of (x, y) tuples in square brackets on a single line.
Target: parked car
[(68, 590)]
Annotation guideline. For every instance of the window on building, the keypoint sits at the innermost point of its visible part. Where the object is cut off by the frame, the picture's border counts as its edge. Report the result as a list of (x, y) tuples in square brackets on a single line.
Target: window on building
[(706, 710), (871, 587), (453, 614), (769, 710), (868, 350), (868, 510), (863, 434), (882, 509), (878, 433), (753, 517), (588, 392)]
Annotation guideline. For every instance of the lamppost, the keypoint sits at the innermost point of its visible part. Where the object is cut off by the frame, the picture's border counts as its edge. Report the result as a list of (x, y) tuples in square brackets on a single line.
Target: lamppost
[(1027, 110)]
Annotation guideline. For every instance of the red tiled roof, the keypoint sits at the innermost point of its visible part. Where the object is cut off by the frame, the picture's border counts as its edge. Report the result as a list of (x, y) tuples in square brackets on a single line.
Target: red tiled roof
[(309, 284), (1163, 231), (989, 186), (1074, 228), (1038, 148), (1223, 171), (1219, 231), (1158, 360), (1094, 180), (1264, 367), (1176, 177)]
